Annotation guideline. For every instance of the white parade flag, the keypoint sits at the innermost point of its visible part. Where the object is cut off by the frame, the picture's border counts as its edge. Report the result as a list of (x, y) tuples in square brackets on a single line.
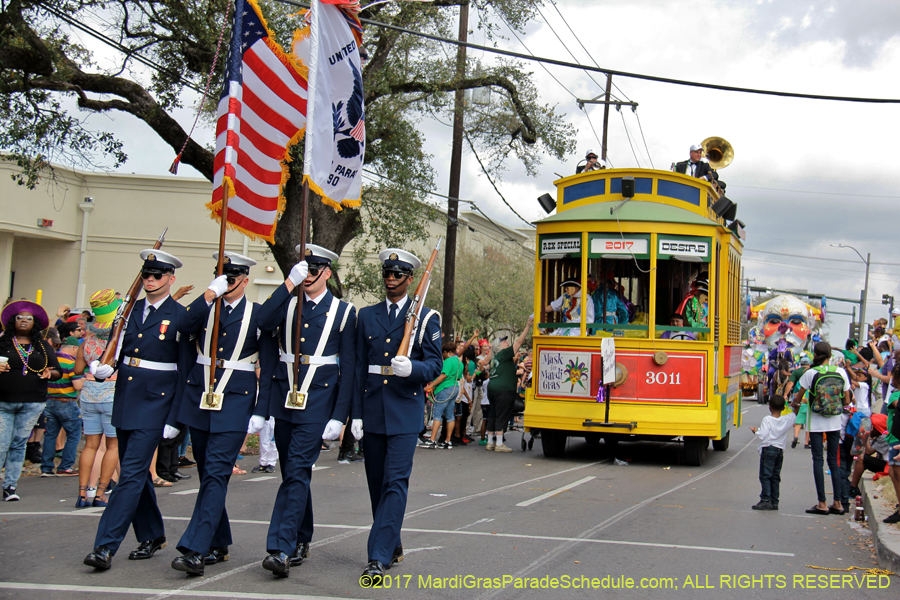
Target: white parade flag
[(329, 45)]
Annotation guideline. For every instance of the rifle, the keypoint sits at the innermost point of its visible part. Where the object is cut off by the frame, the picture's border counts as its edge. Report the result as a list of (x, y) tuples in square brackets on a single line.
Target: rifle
[(418, 302), (118, 325)]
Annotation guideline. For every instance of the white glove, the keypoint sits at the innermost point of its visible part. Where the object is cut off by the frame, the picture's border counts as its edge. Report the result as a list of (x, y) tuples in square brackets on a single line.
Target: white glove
[(299, 272), (101, 371), (219, 285), (332, 430), (170, 433), (256, 424), (402, 366), (356, 428)]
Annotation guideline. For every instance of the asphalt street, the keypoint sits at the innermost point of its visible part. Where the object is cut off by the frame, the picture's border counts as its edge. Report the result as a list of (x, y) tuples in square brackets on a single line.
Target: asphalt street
[(483, 525)]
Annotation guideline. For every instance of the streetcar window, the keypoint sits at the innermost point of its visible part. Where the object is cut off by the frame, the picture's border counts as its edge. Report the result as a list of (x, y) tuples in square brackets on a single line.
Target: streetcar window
[(561, 296), (620, 289), (681, 291)]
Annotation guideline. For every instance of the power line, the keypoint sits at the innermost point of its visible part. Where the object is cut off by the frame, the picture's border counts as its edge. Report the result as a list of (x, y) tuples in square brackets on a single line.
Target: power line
[(490, 179), (628, 135), (850, 194), (856, 262)]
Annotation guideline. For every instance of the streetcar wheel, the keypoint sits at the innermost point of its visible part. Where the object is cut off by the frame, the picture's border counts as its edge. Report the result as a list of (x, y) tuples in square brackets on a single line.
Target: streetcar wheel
[(524, 443), (722, 445), (531, 442), (694, 447), (554, 443)]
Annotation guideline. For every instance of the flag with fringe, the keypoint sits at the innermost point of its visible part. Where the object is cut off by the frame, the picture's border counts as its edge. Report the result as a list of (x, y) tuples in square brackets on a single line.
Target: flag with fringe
[(330, 44), (261, 114)]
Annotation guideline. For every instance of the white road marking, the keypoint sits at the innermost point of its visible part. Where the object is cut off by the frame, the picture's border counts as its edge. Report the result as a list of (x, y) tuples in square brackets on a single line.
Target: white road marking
[(185, 492), (94, 589), (478, 522), (564, 488), (266, 478), (408, 551), (315, 468), (618, 517)]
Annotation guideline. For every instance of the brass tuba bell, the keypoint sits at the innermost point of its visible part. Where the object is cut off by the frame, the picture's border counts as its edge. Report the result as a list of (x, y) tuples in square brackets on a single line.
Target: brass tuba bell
[(719, 152)]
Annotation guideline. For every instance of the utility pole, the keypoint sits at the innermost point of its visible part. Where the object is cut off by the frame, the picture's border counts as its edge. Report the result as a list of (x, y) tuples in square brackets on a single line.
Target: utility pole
[(607, 101), (455, 170)]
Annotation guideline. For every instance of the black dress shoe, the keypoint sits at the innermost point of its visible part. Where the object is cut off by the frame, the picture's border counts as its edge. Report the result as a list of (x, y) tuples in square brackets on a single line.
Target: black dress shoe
[(191, 563), (372, 575), (301, 553), (179, 476), (397, 556), (100, 558), (279, 563), (147, 549), (217, 555)]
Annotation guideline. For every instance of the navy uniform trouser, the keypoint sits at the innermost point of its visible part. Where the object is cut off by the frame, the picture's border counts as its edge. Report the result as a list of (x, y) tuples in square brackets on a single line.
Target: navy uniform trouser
[(134, 500), (389, 461), (298, 446), (215, 454)]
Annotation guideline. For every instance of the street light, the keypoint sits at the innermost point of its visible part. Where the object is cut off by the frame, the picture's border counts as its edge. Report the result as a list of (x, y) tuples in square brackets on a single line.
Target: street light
[(864, 334)]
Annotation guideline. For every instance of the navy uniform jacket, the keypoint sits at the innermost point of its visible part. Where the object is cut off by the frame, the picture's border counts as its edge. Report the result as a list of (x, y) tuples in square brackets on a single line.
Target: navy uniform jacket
[(389, 404), (240, 391), (331, 391), (144, 398)]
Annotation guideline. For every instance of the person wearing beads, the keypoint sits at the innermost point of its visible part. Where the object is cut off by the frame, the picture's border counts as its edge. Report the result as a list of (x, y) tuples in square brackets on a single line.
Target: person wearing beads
[(97, 403), (391, 400), (147, 384), (218, 429), (326, 378), (27, 363)]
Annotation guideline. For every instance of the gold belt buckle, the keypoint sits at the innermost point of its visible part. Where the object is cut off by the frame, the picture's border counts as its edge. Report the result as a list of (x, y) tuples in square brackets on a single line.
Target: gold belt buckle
[(387, 370), (220, 363), (304, 359), (134, 362)]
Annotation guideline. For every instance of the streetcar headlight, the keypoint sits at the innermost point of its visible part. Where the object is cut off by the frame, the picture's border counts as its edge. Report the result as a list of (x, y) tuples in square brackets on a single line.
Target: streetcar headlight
[(621, 374)]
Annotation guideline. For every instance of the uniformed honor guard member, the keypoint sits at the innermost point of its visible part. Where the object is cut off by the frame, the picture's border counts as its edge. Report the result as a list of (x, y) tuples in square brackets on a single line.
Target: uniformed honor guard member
[(391, 400), (219, 422), (146, 387), (321, 404)]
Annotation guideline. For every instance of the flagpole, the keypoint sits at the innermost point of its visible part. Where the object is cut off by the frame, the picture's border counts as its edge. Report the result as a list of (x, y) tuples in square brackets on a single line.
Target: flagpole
[(210, 399), (295, 398)]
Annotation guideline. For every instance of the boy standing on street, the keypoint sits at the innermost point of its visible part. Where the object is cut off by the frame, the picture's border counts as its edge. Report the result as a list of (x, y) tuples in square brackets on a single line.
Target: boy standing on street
[(772, 433)]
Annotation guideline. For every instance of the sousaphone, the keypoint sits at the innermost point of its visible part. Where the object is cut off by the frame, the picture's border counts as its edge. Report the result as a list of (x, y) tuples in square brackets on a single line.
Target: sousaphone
[(719, 152)]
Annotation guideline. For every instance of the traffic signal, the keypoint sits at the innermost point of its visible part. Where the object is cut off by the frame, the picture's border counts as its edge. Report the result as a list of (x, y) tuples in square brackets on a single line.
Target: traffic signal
[(854, 331)]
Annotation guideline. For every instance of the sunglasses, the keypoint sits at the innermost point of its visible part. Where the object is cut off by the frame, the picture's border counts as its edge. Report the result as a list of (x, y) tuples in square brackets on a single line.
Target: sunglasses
[(27, 318), (231, 279), (388, 273), (148, 275), (314, 271)]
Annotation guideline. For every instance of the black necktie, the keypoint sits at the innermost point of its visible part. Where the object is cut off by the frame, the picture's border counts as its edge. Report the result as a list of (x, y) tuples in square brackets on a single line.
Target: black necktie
[(309, 306), (150, 312), (225, 314), (392, 315)]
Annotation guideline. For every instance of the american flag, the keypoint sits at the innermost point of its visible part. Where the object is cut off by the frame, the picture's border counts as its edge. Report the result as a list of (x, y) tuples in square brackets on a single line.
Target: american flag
[(261, 114)]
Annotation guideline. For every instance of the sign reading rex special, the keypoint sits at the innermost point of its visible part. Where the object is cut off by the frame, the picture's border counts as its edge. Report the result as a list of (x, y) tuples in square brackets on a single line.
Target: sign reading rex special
[(560, 245), (683, 248)]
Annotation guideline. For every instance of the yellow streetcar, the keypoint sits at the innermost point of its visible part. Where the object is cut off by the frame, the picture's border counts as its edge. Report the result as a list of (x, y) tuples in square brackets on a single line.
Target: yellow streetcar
[(628, 251)]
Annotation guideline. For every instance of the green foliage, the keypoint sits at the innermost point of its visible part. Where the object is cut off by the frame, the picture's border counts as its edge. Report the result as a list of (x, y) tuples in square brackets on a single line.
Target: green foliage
[(494, 291)]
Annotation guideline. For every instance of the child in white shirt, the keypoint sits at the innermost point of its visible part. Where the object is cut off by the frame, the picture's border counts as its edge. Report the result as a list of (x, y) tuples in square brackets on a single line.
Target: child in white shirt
[(772, 433)]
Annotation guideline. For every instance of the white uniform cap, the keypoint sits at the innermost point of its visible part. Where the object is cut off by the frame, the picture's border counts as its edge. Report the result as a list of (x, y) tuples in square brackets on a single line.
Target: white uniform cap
[(235, 259), (394, 257), (696, 147), (896, 312), (316, 254), (157, 259), (589, 152)]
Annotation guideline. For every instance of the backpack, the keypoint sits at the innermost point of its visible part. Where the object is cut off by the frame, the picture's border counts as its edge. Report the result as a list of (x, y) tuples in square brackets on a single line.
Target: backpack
[(826, 393)]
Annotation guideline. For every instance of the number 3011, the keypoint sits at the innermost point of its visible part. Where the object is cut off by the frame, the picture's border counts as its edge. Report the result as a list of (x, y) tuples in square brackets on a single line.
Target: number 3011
[(663, 378)]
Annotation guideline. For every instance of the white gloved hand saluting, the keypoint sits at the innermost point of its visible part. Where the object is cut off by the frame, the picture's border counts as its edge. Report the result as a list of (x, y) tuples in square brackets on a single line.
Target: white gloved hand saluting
[(402, 366), (219, 285), (101, 371), (299, 272), (356, 428), (256, 424), (332, 430), (170, 433)]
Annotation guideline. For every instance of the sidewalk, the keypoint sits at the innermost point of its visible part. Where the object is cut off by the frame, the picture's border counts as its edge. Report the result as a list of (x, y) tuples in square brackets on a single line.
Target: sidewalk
[(886, 536)]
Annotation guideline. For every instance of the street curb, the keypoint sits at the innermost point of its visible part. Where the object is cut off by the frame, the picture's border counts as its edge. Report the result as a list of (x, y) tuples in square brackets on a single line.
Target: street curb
[(886, 538)]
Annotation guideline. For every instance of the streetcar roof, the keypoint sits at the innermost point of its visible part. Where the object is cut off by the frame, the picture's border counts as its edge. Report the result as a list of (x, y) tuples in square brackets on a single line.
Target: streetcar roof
[(630, 211)]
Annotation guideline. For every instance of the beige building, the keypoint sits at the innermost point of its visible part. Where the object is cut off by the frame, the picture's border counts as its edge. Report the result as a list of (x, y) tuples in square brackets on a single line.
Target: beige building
[(79, 232)]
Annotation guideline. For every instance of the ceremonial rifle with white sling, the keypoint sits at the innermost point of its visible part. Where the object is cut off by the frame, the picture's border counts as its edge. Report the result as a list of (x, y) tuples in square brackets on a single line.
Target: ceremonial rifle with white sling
[(418, 303)]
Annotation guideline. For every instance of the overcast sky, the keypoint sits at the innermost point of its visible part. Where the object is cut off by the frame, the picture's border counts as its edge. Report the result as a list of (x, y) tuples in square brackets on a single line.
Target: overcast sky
[(806, 173)]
